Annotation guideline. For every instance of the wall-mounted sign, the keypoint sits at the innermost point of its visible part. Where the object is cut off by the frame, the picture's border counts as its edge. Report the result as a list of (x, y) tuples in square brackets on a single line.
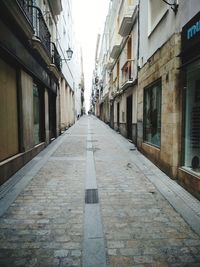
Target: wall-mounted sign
[(193, 30), (191, 33)]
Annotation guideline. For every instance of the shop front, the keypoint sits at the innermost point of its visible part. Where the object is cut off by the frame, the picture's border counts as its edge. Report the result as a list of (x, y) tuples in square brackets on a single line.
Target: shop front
[(189, 173), (24, 79)]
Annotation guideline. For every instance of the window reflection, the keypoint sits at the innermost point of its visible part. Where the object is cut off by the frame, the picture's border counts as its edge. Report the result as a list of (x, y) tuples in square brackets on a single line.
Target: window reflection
[(152, 113)]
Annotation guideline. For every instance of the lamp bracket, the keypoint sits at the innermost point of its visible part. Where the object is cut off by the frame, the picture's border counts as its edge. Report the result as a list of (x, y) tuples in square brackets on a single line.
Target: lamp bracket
[(173, 6)]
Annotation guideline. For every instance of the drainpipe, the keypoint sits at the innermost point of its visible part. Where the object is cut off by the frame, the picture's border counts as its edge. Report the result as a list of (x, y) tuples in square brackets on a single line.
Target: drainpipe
[(138, 54)]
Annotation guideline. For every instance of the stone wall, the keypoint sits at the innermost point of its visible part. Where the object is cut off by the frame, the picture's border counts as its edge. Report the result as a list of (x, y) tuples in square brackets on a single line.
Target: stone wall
[(189, 181), (134, 133), (123, 129), (164, 65)]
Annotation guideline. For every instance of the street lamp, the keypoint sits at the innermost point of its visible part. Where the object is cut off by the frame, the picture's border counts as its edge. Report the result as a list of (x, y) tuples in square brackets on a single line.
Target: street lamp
[(69, 54), (173, 6)]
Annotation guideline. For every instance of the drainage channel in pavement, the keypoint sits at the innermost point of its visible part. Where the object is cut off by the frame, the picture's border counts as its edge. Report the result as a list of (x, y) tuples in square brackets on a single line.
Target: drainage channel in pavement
[(93, 245)]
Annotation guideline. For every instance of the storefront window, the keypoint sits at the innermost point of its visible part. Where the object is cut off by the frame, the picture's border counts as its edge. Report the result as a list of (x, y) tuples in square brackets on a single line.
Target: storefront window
[(36, 112), (192, 118), (152, 113)]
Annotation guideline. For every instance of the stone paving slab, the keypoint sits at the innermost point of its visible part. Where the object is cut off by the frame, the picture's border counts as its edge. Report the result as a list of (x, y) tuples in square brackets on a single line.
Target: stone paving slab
[(43, 224), (141, 227)]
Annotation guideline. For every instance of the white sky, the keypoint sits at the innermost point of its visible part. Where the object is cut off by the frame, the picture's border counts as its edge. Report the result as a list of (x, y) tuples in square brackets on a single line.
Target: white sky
[(89, 18)]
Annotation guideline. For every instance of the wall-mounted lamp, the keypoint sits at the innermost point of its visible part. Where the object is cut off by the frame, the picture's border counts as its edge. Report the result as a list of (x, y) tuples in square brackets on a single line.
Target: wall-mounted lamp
[(69, 54), (173, 6)]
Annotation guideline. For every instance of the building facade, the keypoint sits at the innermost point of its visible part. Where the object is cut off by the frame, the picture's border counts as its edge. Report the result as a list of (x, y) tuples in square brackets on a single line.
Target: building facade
[(31, 79), (153, 88), (124, 50), (189, 167), (166, 95), (116, 98)]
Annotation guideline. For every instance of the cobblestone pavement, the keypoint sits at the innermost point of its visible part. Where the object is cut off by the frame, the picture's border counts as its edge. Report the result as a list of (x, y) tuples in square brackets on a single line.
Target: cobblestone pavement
[(44, 225)]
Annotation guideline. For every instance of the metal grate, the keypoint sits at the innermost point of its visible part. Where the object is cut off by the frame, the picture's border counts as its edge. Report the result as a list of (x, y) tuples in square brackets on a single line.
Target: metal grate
[(91, 196)]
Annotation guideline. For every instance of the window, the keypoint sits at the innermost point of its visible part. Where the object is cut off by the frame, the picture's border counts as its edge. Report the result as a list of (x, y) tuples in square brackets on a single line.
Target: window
[(192, 118), (8, 112), (118, 75), (156, 11), (129, 49), (152, 113), (37, 114)]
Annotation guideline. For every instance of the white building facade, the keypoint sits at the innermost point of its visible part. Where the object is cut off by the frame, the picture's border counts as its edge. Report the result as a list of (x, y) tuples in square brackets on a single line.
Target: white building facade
[(117, 66), (71, 83)]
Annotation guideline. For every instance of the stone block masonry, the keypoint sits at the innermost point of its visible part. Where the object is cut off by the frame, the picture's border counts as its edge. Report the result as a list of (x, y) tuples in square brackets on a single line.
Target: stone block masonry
[(164, 65)]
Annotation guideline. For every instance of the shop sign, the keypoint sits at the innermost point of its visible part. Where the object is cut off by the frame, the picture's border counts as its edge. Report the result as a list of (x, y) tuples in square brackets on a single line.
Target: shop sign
[(191, 33)]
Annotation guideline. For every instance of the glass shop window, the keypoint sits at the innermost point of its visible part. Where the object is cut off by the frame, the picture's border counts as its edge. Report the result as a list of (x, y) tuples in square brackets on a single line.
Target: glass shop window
[(152, 113), (192, 118), (37, 114)]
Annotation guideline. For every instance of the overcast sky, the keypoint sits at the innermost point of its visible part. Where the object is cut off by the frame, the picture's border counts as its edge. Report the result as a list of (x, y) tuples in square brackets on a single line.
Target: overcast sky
[(89, 18)]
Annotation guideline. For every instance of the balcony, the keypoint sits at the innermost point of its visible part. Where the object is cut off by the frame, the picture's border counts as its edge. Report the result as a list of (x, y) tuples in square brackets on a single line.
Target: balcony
[(55, 57), (21, 13), (56, 6), (127, 75), (97, 93), (115, 44), (96, 80), (31, 22), (115, 51), (25, 6), (56, 61), (42, 37), (108, 65), (128, 15), (115, 85)]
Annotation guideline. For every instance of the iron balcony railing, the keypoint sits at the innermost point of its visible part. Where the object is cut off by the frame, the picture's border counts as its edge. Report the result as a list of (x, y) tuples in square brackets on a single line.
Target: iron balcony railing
[(41, 29), (35, 17), (25, 6), (55, 57), (127, 72)]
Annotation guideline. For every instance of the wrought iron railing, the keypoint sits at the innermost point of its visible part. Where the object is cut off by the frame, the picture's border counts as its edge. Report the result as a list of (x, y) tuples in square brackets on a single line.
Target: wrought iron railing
[(35, 17), (55, 57), (25, 6), (41, 29)]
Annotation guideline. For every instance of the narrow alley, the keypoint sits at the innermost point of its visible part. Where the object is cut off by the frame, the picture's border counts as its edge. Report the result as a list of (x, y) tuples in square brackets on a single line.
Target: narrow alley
[(91, 199)]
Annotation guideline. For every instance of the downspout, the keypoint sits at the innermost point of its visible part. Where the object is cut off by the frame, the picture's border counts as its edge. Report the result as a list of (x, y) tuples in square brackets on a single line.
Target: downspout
[(138, 55)]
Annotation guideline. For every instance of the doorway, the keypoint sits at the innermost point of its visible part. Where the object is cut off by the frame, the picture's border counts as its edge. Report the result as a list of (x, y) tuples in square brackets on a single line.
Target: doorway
[(129, 105), (112, 114), (52, 115), (118, 112)]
